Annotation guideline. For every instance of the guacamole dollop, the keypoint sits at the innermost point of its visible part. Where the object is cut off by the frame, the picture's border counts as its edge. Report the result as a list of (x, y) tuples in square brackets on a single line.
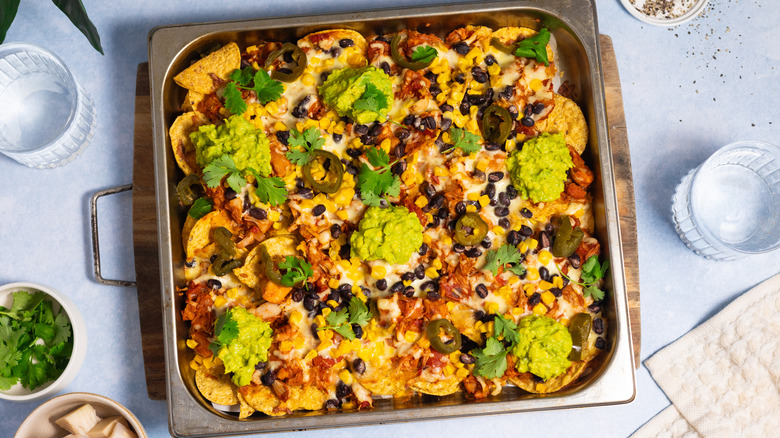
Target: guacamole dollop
[(345, 86), (249, 347), (538, 170), (391, 234), (544, 347), (237, 137)]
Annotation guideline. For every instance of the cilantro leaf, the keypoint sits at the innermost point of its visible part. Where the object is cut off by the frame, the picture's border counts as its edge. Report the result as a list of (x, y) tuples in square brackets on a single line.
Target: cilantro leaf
[(592, 270), (305, 144), (517, 269), (378, 157), (505, 255), (271, 190), (23, 302), (61, 330), (298, 270), (374, 184), (234, 102), (225, 330), (267, 89), (371, 199), (242, 76), (491, 360), (200, 208), (535, 47), (424, 54), (468, 142), (593, 291), (506, 328), (371, 100), (345, 331), (341, 322), (7, 383), (336, 319), (358, 312), (217, 169)]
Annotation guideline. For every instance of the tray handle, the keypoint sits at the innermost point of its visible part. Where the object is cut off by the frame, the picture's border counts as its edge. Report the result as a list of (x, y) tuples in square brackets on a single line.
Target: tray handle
[(95, 240)]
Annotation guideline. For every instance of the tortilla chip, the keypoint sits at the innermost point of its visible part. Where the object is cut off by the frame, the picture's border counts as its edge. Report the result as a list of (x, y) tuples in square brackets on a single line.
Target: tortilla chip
[(263, 399), (469, 34), (511, 35), (246, 410), (528, 382), (324, 40), (252, 272), (186, 229), (221, 63), (200, 243), (386, 380), (216, 386), (191, 101), (567, 118), (183, 149), (446, 386)]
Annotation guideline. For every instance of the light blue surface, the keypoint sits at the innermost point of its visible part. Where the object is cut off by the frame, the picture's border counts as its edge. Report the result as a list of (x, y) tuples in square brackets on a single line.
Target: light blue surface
[(686, 90)]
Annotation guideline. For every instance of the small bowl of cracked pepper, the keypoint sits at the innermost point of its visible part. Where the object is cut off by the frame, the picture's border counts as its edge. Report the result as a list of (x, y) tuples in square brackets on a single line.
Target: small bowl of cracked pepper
[(666, 13), (43, 341)]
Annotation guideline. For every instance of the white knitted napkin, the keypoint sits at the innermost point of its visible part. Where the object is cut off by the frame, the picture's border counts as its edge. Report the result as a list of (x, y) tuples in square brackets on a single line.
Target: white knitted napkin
[(723, 377)]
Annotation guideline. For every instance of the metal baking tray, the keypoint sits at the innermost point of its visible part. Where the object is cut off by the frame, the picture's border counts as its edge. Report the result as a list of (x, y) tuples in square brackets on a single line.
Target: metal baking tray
[(575, 30)]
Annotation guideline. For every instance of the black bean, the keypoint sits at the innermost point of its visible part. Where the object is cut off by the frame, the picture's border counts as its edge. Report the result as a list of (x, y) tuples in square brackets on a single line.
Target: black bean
[(479, 75), (408, 276), (544, 239), (213, 283), (443, 213), (490, 191), (385, 68), (481, 290), (549, 228), (437, 201), (408, 120), (534, 299), (435, 90), (490, 60), (556, 291), (598, 326), (189, 263), (283, 137), (501, 211), (538, 108), (398, 286), (544, 273), (451, 224), (419, 272), (358, 330), (381, 284), (601, 343), (458, 248), (258, 213), (297, 295), (495, 176), (480, 175), (230, 193), (467, 359), (368, 139), (260, 365), (332, 404), (446, 107), (461, 48), (428, 190), (309, 303), (486, 318), (460, 78), (486, 243), (360, 129), (358, 366), (511, 191), (399, 168), (335, 231), (212, 259), (504, 223), (503, 199), (528, 110), (490, 146), (334, 295), (352, 170), (445, 124), (478, 100), (460, 208), (382, 38), (595, 307), (268, 378), (344, 252), (342, 390), (375, 130), (526, 231), (464, 107), (565, 281), (432, 294), (337, 138), (409, 291), (430, 122), (527, 121), (324, 76), (526, 213), (354, 153), (507, 92), (423, 249), (318, 210), (575, 260), (473, 252), (305, 193), (478, 315), (346, 42)]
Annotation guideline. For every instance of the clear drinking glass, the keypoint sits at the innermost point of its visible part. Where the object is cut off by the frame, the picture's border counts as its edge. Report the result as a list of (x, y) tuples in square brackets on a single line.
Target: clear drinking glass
[(729, 206), (46, 117)]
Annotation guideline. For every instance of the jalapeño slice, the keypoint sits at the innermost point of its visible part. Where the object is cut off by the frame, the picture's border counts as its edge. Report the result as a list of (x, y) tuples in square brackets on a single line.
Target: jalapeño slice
[(567, 239), (470, 229), (401, 59), (334, 174), (579, 329), (298, 58), (188, 188), (496, 124), (432, 331)]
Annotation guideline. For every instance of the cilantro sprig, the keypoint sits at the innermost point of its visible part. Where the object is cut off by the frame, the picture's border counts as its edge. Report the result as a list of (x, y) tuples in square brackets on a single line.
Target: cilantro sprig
[(592, 272), (200, 208), (35, 344), (305, 144), (491, 360), (266, 89), (373, 99), (298, 271), (463, 139), (508, 257), (424, 54), (378, 182), (225, 330), (270, 190), (535, 47), (341, 322)]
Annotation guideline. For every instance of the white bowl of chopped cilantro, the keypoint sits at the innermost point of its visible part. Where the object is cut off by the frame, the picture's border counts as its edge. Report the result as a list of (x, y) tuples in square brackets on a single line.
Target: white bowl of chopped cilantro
[(43, 341)]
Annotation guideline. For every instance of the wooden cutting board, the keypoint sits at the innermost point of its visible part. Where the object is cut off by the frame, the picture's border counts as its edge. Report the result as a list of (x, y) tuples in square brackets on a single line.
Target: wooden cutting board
[(147, 264)]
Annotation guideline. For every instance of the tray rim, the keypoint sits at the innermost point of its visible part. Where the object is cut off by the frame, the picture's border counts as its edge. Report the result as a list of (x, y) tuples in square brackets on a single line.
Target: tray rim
[(621, 367)]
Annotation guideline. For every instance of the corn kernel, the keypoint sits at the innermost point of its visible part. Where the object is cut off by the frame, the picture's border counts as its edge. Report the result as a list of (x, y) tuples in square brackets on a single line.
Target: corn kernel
[(279, 126), (523, 247), (540, 309), (447, 240), (410, 336), (361, 296), (342, 214), (332, 303), (345, 376), (220, 301), (431, 273), (535, 84), (299, 342), (513, 280), (441, 171), (325, 344), (449, 370), (421, 201), (545, 257), (274, 215), (532, 274), (484, 201), (378, 272), (208, 362), (473, 196), (548, 298), (310, 355), (372, 336), (295, 317), (194, 365), (450, 305), (285, 346), (423, 342), (491, 307), (386, 145), (517, 311), (436, 263), (494, 69), (532, 243), (232, 293), (529, 289), (558, 282), (545, 285), (462, 373), (192, 343), (471, 208), (320, 320), (578, 214)]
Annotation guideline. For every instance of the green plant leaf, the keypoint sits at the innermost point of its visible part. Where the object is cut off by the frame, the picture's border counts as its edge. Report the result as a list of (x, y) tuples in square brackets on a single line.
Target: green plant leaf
[(75, 11), (8, 10)]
